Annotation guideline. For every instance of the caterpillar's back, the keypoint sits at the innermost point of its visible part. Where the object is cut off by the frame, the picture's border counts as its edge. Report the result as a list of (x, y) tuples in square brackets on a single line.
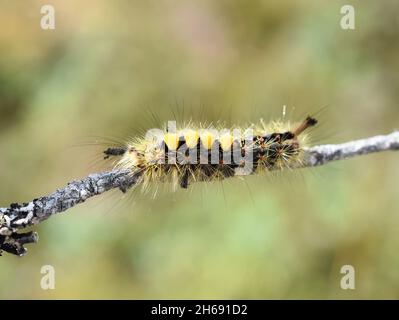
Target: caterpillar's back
[(206, 153)]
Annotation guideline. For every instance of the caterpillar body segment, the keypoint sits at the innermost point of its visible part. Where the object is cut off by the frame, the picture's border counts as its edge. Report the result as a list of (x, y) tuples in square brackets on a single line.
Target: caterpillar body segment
[(191, 154)]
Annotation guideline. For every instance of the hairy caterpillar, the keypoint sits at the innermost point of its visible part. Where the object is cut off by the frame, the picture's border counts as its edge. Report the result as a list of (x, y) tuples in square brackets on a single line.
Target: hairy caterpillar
[(205, 153)]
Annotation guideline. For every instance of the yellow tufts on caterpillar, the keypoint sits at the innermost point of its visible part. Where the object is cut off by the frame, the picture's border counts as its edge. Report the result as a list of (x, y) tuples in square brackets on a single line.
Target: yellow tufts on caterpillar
[(193, 155), (207, 139), (191, 138), (226, 141), (171, 140)]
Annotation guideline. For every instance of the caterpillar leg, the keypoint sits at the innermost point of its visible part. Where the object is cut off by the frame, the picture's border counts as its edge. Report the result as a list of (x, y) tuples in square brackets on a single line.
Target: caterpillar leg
[(184, 180)]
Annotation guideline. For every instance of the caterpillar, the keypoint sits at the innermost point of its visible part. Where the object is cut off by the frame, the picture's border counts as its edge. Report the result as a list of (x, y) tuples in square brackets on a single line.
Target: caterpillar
[(207, 153)]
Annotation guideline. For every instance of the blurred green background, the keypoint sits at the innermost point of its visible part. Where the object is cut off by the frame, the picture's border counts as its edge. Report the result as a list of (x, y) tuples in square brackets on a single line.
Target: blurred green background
[(64, 92)]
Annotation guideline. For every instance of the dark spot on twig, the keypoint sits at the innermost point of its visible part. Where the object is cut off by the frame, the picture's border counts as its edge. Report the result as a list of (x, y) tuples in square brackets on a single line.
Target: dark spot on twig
[(14, 206)]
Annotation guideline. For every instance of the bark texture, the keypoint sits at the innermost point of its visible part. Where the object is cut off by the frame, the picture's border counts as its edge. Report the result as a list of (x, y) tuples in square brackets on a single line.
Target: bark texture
[(19, 216)]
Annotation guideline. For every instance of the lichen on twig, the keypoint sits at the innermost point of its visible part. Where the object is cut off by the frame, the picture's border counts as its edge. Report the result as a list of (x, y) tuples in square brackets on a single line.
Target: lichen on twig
[(19, 216)]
